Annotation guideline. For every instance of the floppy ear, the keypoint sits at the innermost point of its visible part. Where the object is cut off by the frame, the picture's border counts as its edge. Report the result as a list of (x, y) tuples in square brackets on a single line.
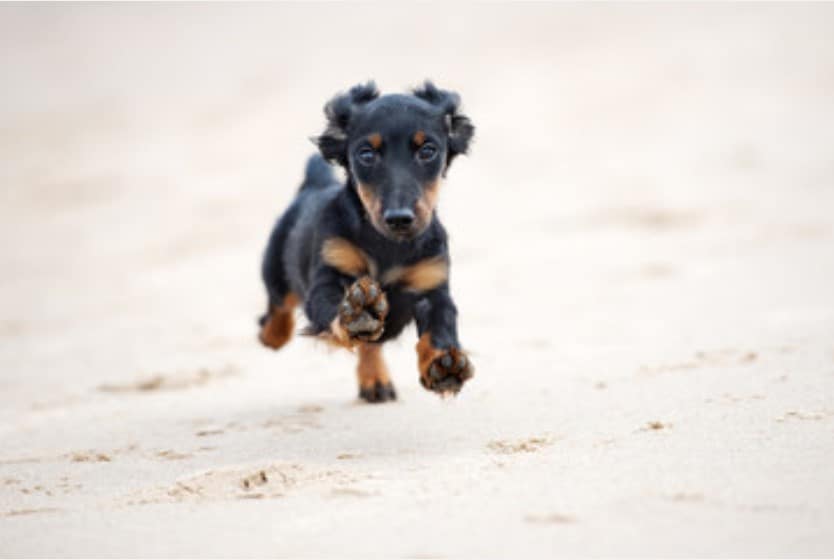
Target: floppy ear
[(459, 127), (333, 141)]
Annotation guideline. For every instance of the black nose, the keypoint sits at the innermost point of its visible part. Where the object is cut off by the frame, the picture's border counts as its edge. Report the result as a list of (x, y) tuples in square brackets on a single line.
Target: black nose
[(399, 219)]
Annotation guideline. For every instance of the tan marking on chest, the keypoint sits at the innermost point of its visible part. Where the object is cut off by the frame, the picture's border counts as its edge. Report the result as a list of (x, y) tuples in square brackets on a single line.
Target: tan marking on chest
[(346, 257), (422, 276)]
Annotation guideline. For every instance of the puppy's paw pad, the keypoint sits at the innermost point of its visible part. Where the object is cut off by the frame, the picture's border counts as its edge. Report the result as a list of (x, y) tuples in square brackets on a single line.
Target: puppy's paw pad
[(447, 372), (378, 393), (363, 310)]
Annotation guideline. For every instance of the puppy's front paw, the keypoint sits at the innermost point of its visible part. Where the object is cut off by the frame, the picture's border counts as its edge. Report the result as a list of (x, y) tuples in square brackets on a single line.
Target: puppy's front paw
[(442, 371), (362, 313)]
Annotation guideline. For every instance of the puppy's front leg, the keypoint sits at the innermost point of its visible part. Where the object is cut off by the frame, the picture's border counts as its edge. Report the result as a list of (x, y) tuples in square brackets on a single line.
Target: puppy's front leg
[(352, 313), (443, 366)]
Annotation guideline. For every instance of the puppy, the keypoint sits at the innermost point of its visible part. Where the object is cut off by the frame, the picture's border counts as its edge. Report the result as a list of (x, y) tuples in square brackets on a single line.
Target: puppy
[(367, 257)]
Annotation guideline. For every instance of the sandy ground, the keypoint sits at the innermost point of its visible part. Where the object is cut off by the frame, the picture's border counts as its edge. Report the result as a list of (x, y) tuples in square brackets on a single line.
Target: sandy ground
[(643, 244)]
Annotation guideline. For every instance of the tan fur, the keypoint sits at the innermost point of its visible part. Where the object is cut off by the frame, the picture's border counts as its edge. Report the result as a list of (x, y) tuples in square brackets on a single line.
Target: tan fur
[(337, 336), (346, 257), (375, 140), (372, 204), (278, 328), (420, 277), (428, 202), (371, 368), (419, 138), (426, 354)]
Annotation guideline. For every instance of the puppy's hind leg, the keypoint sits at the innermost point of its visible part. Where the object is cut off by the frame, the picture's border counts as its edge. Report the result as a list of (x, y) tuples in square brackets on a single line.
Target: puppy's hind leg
[(278, 322)]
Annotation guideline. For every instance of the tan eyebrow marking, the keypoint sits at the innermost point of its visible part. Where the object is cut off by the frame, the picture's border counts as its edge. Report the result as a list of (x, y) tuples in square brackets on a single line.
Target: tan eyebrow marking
[(419, 138), (422, 276), (375, 140)]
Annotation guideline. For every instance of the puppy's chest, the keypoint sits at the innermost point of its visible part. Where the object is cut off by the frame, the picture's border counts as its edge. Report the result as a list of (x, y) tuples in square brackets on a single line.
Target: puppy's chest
[(408, 272), (415, 276)]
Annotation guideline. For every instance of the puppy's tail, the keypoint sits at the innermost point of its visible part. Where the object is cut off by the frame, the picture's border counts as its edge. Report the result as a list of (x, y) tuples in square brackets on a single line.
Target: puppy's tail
[(319, 174)]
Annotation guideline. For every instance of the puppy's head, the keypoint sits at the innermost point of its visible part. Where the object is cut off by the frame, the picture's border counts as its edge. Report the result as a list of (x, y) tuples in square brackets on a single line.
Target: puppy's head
[(396, 149)]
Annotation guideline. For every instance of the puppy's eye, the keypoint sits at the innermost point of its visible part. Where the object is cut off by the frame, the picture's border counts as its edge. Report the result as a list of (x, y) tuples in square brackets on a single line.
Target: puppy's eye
[(366, 156), (427, 152)]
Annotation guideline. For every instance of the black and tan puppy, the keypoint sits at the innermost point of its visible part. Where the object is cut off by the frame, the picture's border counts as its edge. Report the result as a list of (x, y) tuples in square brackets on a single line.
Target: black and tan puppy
[(368, 256)]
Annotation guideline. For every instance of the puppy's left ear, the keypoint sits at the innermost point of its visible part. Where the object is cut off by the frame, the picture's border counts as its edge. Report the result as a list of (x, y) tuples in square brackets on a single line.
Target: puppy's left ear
[(459, 128)]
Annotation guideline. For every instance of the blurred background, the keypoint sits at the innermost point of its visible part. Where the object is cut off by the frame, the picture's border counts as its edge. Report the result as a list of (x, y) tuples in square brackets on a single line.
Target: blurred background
[(642, 241)]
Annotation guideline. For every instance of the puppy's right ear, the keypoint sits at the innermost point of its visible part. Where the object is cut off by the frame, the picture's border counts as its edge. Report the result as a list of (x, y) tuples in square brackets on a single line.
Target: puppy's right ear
[(333, 141), (459, 127)]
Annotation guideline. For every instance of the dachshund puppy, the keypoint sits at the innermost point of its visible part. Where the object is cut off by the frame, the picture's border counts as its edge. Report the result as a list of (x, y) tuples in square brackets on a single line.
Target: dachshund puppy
[(366, 257)]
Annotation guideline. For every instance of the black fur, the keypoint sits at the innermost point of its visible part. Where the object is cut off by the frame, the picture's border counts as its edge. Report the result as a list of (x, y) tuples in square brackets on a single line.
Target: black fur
[(397, 179)]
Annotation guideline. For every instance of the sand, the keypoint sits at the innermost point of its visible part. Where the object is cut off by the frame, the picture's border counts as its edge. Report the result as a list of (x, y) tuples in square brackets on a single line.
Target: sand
[(643, 260)]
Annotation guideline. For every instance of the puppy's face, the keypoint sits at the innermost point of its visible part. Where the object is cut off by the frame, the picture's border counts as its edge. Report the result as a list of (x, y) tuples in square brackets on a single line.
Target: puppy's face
[(396, 155), (396, 149)]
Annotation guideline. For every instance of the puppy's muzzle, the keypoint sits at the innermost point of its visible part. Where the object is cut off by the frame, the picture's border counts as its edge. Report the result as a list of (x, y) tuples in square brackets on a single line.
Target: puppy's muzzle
[(400, 220)]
